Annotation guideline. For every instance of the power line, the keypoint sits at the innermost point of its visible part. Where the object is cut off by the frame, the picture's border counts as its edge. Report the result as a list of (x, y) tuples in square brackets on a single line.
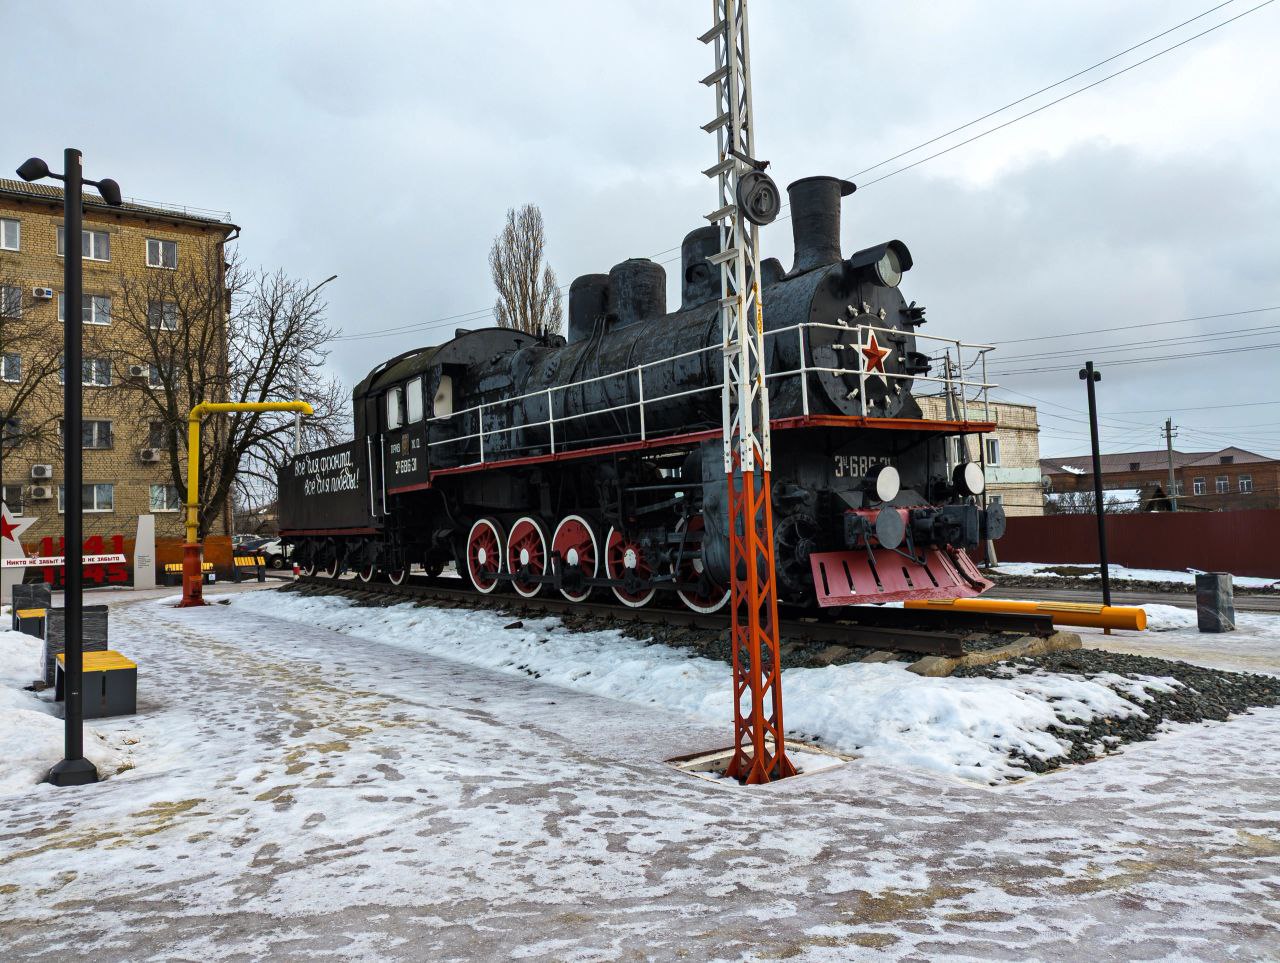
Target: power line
[(1073, 93), (485, 313), (1156, 360), (1133, 327), (1131, 345)]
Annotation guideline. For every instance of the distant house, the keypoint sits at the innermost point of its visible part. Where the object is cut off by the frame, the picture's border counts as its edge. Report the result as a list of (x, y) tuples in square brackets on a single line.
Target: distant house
[(1010, 454), (1224, 480)]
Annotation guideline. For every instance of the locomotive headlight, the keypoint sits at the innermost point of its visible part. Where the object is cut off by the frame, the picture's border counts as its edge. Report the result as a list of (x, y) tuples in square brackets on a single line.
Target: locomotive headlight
[(889, 269), (969, 479), (885, 482), (884, 264)]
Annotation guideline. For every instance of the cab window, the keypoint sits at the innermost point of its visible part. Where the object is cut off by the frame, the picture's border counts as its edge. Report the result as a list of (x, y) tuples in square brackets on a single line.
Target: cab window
[(395, 417), (413, 401)]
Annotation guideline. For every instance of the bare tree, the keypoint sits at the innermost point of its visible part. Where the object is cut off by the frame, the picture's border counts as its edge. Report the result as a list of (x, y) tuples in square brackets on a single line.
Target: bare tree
[(30, 392), (214, 331), (528, 294), (1082, 502)]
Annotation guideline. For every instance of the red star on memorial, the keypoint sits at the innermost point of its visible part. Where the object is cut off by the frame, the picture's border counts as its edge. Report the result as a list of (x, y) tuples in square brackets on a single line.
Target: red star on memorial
[(7, 528), (874, 354)]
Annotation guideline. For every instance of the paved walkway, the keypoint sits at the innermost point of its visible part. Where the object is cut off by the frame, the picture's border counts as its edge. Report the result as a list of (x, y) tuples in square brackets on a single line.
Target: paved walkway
[(299, 793)]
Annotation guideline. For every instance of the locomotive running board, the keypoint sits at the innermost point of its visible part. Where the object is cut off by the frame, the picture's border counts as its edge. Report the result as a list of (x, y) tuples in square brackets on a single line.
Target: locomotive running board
[(856, 577)]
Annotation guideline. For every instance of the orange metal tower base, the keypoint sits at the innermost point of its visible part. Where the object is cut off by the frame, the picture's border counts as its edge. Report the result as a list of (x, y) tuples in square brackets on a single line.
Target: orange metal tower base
[(759, 749)]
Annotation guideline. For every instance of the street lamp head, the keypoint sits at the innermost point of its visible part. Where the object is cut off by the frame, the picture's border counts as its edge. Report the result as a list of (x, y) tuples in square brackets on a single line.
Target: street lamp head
[(32, 169), (110, 191)]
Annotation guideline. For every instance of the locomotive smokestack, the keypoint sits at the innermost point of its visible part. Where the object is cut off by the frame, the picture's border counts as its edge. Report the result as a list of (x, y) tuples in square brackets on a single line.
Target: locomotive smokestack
[(815, 220), (701, 281), (637, 291), (588, 303)]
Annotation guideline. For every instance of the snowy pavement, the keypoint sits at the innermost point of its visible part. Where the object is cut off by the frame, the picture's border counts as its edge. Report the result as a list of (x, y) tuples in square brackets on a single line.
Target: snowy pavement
[(297, 791)]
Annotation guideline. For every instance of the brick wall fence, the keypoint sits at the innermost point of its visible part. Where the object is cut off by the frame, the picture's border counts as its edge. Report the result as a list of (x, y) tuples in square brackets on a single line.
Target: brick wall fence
[(1243, 542)]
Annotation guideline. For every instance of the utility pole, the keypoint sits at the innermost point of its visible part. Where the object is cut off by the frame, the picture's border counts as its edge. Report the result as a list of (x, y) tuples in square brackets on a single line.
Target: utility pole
[(1091, 377), (747, 199), (1169, 433)]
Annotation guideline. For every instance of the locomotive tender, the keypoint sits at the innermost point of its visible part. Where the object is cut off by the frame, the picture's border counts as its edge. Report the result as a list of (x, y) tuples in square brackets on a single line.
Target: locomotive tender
[(595, 462)]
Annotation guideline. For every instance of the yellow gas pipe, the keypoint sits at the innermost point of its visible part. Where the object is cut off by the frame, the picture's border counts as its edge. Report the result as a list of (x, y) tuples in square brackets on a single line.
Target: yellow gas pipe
[(192, 554)]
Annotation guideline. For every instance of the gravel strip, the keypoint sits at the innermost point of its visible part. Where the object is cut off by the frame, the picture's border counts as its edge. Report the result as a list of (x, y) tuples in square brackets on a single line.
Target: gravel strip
[(1203, 695)]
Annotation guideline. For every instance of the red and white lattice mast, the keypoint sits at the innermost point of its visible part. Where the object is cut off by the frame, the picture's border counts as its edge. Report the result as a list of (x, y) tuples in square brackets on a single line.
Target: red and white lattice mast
[(747, 199)]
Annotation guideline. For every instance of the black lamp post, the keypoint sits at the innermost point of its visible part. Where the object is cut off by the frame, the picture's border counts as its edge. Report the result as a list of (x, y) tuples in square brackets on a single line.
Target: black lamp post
[(1091, 377), (74, 769)]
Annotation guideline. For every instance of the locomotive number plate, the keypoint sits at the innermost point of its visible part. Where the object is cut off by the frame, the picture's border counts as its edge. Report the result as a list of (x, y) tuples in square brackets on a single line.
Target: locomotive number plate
[(856, 466)]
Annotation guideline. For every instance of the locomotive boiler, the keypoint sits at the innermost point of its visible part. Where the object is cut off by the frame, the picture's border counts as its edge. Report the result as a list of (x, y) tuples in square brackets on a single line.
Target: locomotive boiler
[(594, 462)]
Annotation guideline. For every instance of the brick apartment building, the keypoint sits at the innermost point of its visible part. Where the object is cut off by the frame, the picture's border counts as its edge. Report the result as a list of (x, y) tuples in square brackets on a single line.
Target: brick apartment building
[(1223, 480), (1011, 452), (126, 458)]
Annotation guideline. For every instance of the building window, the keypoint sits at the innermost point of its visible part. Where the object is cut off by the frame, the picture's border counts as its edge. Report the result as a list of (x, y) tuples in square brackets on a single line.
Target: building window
[(94, 433), (1246, 484), (162, 254), (395, 409), (95, 498), (11, 432), (1179, 487), (158, 436), (1226, 459), (13, 499), (1222, 484), (164, 498), (993, 451), (11, 367), (162, 315), (157, 375), (95, 246), (1197, 486), (94, 309), (10, 234), (95, 372), (1135, 466), (995, 500), (414, 401), (10, 301)]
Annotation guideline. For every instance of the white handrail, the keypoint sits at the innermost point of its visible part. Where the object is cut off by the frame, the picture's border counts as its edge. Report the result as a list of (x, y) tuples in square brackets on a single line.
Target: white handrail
[(803, 371)]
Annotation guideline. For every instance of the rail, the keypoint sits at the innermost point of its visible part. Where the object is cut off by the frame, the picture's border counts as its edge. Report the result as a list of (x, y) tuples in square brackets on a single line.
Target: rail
[(476, 427)]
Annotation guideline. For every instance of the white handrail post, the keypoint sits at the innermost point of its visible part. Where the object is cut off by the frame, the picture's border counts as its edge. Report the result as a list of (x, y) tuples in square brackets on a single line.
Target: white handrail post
[(804, 373), (480, 413), (640, 379), (551, 421)]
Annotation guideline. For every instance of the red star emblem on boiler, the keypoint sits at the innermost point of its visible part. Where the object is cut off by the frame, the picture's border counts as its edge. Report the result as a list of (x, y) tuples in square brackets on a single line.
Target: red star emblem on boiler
[(7, 528), (875, 354)]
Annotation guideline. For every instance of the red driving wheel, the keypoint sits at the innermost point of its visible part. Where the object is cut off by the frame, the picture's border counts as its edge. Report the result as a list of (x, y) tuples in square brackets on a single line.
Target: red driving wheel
[(625, 556), (484, 554), (527, 551), (575, 543), (708, 597)]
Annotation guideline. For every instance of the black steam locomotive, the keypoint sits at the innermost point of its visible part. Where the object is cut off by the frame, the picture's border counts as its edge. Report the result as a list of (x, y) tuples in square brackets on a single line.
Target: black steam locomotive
[(596, 462)]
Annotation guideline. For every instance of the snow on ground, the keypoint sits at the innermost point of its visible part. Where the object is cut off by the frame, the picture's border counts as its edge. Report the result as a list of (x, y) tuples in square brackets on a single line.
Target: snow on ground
[(302, 792), (964, 728), (1123, 573), (31, 735)]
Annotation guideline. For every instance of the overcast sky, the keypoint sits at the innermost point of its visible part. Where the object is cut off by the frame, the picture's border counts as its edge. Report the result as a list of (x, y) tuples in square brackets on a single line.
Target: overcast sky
[(384, 142)]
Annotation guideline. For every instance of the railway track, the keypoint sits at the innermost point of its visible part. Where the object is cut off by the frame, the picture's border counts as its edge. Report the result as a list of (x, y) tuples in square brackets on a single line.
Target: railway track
[(873, 627)]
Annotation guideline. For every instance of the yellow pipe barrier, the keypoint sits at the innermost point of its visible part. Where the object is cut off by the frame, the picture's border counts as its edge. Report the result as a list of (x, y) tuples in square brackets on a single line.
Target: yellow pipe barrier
[(1063, 613), (192, 573)]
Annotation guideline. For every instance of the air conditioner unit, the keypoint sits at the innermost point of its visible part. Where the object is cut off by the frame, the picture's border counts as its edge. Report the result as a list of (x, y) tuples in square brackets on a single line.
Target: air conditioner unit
[(149, 455), (137, 371), (41, 492), (42, 294), (41, 471)]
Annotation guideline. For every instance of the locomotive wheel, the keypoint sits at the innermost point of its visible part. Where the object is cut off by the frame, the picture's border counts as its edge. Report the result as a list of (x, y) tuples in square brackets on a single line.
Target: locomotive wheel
[(708, 597), (575, 541), (368, 573), (624, 556), (397, 576), (527, 547), (484, 554), (331, 567)]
